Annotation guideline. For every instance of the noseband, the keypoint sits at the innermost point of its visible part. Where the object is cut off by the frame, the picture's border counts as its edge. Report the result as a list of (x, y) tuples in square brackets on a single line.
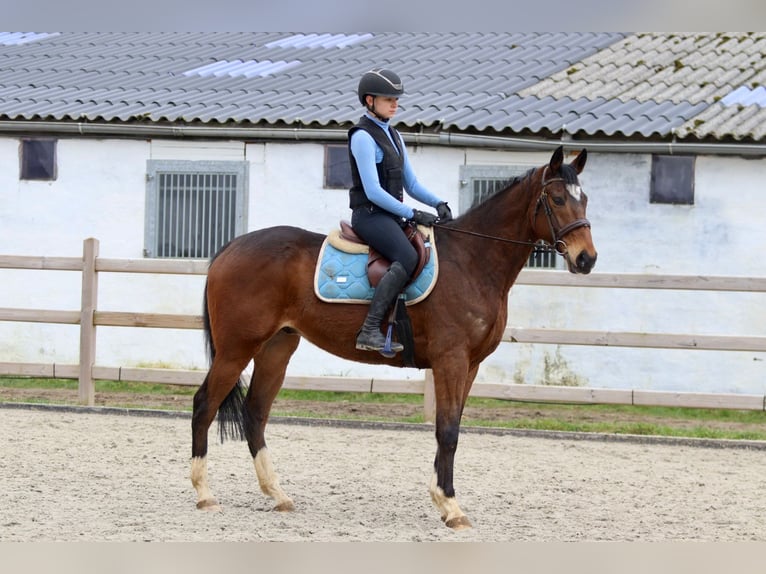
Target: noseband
[(557, 232)]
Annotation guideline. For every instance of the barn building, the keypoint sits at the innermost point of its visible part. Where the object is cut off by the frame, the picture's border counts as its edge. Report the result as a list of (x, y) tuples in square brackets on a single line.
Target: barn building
[(118, 136)]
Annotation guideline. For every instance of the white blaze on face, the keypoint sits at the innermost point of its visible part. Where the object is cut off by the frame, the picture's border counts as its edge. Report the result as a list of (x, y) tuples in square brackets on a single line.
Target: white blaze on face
[(574, 190)]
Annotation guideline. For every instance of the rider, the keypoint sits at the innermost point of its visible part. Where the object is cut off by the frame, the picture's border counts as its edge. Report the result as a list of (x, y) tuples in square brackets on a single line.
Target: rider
[(381, 171)]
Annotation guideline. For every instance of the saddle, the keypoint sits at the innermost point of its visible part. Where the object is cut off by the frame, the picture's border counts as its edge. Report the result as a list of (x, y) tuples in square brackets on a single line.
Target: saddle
[(377, 265)]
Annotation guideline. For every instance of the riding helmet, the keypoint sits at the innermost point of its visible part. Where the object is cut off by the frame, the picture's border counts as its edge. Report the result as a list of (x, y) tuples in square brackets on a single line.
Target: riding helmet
[(379, 82)]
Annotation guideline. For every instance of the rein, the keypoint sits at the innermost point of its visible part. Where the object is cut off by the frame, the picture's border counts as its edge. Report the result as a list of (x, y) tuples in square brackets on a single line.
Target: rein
[(557, 234), (492, 237)]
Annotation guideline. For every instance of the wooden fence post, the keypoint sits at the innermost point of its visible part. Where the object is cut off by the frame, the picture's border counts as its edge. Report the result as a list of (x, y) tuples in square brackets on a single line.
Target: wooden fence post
[(89, 301), (429, 398)]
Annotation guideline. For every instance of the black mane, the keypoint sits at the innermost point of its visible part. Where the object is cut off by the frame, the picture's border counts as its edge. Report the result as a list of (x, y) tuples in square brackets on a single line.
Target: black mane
[(503, 188), (569, 174)]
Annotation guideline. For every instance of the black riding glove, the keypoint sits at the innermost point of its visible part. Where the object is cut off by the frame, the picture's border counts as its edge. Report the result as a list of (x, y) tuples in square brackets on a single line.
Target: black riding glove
[(423, 218), (443, 211)]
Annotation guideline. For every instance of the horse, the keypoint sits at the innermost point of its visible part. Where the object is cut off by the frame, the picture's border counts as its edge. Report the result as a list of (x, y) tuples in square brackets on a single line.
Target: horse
[(259, 301)]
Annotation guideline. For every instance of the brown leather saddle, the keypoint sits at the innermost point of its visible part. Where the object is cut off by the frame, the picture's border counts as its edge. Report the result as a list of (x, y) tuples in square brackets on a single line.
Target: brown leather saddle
[(377, 265)]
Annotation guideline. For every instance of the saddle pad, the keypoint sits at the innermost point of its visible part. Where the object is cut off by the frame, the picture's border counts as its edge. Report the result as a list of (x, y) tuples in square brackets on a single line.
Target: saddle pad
[(341, 277)]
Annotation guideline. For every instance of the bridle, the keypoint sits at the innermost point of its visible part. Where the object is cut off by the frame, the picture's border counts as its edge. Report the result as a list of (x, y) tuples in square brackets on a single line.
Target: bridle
[(557, 232)]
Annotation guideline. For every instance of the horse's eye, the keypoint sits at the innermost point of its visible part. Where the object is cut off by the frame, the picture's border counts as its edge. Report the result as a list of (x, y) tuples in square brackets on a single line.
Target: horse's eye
[(559, 200)]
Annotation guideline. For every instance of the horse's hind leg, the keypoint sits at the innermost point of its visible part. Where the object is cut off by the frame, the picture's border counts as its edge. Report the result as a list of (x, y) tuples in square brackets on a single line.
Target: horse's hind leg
[(270, 364), (219, 382)]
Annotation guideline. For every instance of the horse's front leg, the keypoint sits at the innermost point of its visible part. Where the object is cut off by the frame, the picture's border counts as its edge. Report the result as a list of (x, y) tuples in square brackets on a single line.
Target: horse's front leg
[(441, 488), (451, 393)]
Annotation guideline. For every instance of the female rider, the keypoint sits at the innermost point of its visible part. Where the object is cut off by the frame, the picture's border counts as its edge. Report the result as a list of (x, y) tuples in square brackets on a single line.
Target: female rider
[(381, 171)]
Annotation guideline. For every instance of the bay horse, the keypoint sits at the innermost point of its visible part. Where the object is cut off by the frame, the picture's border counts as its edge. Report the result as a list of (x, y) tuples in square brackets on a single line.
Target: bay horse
[(259, 302)]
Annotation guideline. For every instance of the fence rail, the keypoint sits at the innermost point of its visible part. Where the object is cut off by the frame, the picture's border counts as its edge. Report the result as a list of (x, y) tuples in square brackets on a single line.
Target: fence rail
[(88, 317)]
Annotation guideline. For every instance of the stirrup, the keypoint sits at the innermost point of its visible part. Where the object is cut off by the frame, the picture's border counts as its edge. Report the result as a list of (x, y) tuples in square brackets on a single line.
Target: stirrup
[(391, 348), (387, 346)]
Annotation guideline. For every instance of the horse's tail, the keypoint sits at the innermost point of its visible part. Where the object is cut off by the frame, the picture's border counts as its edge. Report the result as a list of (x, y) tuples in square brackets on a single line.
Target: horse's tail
[(209, 345), (233, 421)]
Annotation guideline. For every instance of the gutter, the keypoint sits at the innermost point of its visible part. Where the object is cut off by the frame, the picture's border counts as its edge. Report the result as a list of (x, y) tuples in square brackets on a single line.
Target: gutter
[(446, 138)]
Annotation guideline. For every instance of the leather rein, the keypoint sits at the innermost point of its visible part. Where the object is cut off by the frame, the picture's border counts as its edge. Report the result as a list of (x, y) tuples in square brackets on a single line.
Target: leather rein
[(557, 232)]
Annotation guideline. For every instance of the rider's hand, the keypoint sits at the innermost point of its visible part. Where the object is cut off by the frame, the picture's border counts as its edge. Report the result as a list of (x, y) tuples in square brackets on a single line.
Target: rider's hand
[(444, 212), (423, 218)]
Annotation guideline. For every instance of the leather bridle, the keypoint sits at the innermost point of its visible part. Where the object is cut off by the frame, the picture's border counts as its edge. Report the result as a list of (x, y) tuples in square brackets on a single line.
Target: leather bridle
[(558, 232)]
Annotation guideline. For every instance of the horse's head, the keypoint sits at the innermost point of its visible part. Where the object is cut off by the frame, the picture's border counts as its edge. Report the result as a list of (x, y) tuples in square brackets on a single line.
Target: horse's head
[(558, 215)]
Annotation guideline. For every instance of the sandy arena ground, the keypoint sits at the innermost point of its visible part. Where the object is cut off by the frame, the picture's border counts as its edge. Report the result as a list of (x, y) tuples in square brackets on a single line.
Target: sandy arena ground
[(88, 476)]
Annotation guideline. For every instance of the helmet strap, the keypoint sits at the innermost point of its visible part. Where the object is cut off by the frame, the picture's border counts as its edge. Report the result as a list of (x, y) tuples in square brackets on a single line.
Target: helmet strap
[(371, 109)]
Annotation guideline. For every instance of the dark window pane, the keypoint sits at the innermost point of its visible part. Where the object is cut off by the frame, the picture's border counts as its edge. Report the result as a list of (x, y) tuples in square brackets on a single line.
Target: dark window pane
[(337, 167), (672, 179), (38, 159)]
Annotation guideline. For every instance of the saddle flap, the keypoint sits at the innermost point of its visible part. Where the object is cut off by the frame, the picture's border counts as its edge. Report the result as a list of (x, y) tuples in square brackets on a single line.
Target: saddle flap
[(347, 240), (341, 272), (377, 265), (347, 232)]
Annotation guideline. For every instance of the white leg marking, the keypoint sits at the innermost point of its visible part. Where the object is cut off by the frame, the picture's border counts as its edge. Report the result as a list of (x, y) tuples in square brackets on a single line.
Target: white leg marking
[(269, 481), (205, 498), (448, 506)]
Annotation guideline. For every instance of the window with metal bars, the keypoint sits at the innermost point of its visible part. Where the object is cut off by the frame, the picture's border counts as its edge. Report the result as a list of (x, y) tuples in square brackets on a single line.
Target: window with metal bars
[(481, 182), (193, 208)]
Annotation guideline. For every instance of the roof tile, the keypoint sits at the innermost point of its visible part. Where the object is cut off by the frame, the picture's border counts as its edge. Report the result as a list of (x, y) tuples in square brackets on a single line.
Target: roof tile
[(651, 84)]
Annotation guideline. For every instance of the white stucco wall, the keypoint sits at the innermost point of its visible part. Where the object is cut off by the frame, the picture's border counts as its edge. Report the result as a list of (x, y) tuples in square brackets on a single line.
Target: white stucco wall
[(100, 192), (718, 235)]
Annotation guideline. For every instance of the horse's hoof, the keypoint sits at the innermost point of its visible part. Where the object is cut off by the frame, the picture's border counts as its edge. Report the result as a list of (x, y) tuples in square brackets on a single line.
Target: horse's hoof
[(209, 505), (286, 506), (459, 523)]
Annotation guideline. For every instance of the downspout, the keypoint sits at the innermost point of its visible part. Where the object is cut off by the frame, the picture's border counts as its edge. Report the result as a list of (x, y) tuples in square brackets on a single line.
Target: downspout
[(442, 138)]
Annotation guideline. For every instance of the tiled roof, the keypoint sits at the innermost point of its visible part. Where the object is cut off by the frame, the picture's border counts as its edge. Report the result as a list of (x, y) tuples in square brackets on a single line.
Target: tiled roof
[(694, 86), (700, 85)]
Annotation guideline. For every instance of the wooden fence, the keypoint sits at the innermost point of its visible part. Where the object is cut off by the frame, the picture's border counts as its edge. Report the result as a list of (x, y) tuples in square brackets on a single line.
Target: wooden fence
[(88, 317)]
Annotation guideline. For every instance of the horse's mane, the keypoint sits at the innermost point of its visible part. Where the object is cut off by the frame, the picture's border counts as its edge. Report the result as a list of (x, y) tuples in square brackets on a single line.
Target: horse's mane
[(505, 187), (568, 174)]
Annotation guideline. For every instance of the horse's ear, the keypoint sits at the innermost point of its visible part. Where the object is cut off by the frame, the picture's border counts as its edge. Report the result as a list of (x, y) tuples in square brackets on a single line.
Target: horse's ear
[(579, 162), (557, 159)]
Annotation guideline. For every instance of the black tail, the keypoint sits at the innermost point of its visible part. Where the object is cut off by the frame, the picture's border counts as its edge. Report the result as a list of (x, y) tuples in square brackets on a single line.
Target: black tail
[(233, 420), (209, 346)]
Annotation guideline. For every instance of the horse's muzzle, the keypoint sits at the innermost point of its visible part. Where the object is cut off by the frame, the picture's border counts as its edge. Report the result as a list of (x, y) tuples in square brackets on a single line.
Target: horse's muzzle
[(584, 262)]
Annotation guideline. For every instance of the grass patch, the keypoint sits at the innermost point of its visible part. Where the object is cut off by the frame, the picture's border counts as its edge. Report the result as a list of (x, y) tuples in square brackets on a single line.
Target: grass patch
[(101, 386), (610, 419), (351, 397)]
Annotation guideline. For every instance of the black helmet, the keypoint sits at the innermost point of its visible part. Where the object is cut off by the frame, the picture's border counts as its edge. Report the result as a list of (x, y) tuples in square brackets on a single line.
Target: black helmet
[(380, 82)]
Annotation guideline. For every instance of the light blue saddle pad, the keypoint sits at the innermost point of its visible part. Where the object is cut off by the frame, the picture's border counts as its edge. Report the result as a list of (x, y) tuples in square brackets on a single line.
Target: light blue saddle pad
[(342, 277)]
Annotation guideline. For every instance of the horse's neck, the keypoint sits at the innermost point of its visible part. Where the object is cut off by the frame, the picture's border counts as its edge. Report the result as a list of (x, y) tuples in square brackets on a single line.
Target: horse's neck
[(505, 217)]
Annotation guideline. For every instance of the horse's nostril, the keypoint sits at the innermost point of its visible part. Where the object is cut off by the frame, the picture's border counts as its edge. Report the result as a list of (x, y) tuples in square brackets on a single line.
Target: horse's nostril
[(585, 261)]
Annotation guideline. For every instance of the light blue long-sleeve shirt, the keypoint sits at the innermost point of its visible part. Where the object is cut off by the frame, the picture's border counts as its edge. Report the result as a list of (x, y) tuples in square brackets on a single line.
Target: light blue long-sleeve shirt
[(367, 154)]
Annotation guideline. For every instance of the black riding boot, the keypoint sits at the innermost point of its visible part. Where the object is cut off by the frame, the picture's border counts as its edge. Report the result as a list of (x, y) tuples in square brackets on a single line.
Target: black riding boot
[(391, 284)]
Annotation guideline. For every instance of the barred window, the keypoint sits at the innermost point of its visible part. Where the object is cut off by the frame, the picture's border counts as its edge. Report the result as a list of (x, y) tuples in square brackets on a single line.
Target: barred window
[(194, 208), (478, 183)]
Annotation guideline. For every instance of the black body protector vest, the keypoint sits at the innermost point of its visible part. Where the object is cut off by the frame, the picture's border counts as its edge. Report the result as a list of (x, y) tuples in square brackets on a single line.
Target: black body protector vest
[(390, 170)]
